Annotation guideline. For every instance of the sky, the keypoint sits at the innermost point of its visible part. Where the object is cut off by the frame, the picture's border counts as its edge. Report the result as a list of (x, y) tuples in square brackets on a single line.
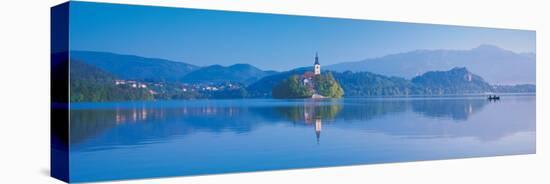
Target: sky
[(267, 41)]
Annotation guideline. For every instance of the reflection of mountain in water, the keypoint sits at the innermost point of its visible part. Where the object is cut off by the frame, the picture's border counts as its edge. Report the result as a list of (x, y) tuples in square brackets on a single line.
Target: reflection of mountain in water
[(475, 118), (456, 109), (158, 123), (359, 109), (142, 124), (86, 124)]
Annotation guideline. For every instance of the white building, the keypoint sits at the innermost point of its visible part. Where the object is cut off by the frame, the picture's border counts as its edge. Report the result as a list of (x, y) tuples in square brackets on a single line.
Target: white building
[(317, 66)]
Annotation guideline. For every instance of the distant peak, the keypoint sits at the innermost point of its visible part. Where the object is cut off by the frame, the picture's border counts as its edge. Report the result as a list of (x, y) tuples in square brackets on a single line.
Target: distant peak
[(487, 47), (216, 66), (459, 68), (241, 65)]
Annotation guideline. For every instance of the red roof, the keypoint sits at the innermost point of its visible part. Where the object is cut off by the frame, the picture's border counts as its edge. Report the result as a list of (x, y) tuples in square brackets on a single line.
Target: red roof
[(308, 75)]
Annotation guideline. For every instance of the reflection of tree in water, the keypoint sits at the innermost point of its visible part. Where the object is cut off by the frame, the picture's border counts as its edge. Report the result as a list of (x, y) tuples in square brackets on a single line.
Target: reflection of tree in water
[(314, 113), (148, 123), (87, 123), (311, 113), (456, 109), (371, 109), (158, 122)]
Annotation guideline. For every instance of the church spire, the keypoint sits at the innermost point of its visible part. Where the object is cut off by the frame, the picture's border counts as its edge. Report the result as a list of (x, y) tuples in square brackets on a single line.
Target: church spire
[(316, 58), (316, 65)]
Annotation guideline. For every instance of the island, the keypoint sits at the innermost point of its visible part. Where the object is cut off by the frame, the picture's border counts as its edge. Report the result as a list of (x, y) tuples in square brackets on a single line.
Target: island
[(311, 84)]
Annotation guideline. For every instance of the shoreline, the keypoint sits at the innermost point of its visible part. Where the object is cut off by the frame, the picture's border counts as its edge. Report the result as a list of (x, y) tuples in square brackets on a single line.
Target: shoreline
[(467, 96)]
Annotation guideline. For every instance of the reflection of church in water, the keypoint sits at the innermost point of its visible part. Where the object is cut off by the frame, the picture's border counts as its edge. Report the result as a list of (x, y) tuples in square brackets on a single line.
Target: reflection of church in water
[(310, 115), (311, 118)]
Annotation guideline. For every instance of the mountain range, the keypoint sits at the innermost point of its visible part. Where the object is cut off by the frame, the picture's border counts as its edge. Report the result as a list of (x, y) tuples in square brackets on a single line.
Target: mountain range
[(130, 67), (494, 64), (243, 73), (421, 72)]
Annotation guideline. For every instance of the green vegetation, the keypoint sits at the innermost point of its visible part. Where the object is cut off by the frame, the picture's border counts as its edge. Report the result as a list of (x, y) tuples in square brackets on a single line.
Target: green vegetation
[(172, 91), (226, 94), (454, 81), (519, 88), (360, 84), (90, 84), (237, 73), (293, 87), (326, 85), (316, 111)]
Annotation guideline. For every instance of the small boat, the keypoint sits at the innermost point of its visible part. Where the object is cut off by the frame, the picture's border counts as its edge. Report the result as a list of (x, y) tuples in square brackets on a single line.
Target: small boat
[(493, 97)]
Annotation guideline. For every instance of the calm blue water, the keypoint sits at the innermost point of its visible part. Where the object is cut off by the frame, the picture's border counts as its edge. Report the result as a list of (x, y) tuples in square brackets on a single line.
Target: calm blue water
[(153, 139)]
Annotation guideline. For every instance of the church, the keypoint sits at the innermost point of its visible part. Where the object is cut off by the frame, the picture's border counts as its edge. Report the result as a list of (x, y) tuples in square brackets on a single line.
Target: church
[(316, 65), (307, 77)]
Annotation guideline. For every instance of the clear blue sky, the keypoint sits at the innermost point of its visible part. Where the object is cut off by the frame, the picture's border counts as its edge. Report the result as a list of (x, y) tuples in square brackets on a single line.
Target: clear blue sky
[(270, 42)]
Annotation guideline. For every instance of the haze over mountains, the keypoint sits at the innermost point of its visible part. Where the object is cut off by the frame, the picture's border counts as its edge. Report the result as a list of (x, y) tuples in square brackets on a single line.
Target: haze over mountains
[(243, 73), (494, 64), (132, 67)]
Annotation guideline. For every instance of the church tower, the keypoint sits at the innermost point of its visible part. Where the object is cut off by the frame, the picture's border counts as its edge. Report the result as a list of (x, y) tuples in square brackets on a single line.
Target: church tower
[(317, 66), (318, 128)]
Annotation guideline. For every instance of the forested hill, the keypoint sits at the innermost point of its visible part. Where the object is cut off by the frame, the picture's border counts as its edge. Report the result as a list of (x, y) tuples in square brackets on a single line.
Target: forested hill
[(361, 84), (365, 84), (321, 86), (454, 81), (263, 87), (241, 73), (91, 84)]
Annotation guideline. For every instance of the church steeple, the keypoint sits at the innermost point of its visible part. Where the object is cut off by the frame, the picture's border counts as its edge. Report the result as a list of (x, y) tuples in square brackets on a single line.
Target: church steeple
[(316, 59), (318, 128), (316, 65)]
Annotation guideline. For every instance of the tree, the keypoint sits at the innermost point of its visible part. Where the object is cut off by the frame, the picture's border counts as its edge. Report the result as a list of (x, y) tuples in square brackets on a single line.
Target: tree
[(323, 84), (326, 85), (291, 88), (91, 84)]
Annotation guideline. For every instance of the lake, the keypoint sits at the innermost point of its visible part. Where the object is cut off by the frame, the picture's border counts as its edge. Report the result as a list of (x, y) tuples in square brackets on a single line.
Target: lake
[(173, 138)]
